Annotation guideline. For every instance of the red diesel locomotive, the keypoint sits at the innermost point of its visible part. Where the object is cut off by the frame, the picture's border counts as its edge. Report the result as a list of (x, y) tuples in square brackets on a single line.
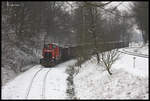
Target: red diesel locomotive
[(51, 54)]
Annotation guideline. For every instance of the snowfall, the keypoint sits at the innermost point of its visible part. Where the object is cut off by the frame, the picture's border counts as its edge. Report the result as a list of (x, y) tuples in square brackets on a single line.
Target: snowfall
[(129, 80)]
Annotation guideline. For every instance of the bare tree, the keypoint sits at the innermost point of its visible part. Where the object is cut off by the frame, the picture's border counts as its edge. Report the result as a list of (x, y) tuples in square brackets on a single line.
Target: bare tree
[(108, 58)]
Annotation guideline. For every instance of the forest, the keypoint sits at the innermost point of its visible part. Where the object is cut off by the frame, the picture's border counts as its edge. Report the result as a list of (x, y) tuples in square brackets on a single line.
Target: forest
[(26, 26)]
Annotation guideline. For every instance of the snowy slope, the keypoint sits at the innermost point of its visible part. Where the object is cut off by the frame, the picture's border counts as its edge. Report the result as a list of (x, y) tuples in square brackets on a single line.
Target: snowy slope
[(99, 85), (55, 86), (16, 89), (7, 75), (126, 82)]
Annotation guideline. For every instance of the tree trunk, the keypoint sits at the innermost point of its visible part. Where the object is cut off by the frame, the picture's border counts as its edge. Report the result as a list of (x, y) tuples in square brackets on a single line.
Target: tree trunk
[(143, 35), (109, 71), (98, 59)]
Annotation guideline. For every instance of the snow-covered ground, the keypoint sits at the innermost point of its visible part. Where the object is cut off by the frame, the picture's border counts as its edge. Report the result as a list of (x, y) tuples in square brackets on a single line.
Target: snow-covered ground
[(55, 86), (126, 81), (92, 82)]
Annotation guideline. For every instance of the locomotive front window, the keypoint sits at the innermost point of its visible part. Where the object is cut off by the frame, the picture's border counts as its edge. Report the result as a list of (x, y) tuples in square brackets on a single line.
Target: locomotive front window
[(48, 55), (54, 46)]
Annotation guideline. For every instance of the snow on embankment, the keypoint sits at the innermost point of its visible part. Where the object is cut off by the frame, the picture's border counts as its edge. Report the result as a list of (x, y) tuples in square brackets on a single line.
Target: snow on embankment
[(7, 74), (125, 82)]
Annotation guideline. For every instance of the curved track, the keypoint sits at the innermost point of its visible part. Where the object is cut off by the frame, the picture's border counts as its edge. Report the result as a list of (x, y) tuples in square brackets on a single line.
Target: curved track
[(29, 88), (134, 54), (44, 84), (32, 81)]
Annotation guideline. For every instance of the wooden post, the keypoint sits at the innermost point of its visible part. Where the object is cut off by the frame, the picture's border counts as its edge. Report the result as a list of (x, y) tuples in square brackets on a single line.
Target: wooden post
[(134, 62)]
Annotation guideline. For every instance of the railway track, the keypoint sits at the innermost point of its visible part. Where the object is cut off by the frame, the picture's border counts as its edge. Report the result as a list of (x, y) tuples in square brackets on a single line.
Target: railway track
[(44, 84), (131, 53), (29, 88), (32, 81)]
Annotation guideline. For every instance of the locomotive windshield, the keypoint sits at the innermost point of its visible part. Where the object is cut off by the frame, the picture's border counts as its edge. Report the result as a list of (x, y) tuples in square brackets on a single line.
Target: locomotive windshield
[(48, 55)]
